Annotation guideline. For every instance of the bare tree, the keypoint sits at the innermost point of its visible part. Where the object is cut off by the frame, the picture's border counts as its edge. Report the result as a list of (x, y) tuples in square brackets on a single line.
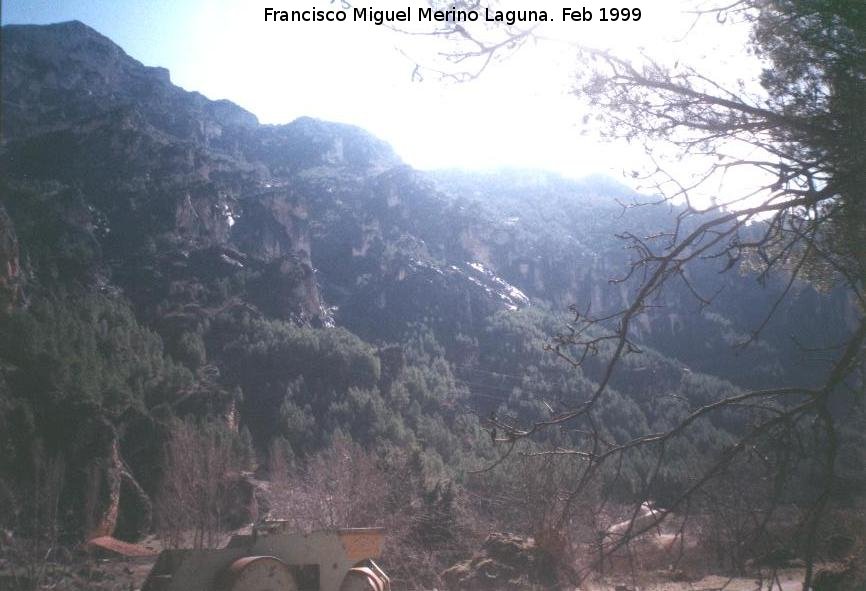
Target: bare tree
[(200, 461), (428, 523), (801, 133), (341, 486), (33, 512)]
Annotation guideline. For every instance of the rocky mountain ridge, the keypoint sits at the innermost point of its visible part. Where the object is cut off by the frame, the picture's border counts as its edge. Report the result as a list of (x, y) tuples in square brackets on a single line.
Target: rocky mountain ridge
[(199, 174)]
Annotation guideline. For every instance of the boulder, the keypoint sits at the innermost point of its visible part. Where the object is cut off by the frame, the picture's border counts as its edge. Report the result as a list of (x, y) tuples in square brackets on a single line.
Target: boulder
[(505, 562)]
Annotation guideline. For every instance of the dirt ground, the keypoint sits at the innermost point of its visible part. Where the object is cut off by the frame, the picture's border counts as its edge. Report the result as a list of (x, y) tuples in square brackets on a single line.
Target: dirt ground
[(95, 574), (129, 575), (788, 580)]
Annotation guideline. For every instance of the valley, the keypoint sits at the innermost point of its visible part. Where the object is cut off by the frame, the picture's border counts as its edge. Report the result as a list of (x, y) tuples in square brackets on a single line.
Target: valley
[(208, 323)]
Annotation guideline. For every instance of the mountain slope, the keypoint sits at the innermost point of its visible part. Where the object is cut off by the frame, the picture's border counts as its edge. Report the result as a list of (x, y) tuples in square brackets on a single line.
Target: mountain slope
[(166, 257)]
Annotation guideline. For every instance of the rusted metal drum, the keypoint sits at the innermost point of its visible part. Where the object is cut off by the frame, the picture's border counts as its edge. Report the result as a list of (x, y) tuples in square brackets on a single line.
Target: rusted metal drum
[(258, 573)]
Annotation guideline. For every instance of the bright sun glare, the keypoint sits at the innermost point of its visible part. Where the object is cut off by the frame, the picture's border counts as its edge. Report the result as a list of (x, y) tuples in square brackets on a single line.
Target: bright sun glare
[(520, 113)]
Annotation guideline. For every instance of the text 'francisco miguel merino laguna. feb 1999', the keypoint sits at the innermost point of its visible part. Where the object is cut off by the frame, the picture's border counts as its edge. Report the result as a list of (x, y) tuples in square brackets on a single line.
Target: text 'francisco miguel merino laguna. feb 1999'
[(426, 14)]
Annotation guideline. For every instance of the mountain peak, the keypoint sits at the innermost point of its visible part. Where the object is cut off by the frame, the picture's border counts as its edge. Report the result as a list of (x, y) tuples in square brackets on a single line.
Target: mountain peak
[(66, 73), (56, 37), (68, 27)]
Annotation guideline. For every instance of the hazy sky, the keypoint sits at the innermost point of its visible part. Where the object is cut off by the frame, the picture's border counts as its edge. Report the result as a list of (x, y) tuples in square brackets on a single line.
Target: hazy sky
[(520, 112)]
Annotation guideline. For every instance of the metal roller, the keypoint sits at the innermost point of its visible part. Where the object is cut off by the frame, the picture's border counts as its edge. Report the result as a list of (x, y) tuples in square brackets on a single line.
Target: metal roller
[(273, 558), (366, 578), (257, 573)]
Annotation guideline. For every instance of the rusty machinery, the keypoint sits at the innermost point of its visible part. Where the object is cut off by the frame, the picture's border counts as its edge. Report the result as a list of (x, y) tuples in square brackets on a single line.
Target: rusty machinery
[(274, 559)]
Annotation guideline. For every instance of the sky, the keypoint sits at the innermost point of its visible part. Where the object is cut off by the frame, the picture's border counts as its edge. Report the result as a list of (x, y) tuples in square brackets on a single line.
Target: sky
[(518, 113)]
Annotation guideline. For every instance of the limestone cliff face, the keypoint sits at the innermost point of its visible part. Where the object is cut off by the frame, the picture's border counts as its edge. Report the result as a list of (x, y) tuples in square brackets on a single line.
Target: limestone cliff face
[(166, 172), (191, 195), (555, 239)]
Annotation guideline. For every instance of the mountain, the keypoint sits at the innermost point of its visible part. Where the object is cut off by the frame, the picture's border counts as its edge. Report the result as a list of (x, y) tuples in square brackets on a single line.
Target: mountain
[(165, 257)]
